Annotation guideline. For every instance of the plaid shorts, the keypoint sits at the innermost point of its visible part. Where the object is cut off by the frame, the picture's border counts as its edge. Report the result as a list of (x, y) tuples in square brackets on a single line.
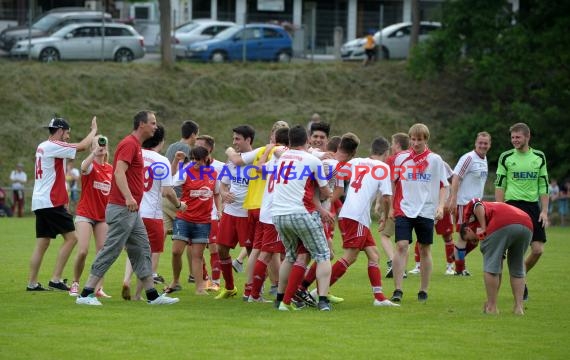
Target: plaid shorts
[(306, 228)]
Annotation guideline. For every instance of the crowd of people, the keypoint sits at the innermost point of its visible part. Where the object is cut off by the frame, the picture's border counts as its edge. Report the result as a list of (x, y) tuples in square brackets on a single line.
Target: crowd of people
[(281, 203)]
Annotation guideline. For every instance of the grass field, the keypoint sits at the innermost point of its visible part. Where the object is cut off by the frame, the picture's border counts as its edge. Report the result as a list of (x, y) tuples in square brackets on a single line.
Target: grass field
[(49, 325)]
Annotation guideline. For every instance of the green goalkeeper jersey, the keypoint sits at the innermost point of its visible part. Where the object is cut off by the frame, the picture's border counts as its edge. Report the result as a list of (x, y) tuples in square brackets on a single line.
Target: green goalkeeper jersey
[(523, 176)]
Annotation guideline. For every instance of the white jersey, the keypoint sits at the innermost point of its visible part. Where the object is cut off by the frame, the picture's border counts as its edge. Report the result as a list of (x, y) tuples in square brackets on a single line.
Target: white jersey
[(417, 194), (473, 171), (157, 174), (50, 186), (234, 176), (294, 183), (267, 199), (329, 166), (218, 166), (368, 177)]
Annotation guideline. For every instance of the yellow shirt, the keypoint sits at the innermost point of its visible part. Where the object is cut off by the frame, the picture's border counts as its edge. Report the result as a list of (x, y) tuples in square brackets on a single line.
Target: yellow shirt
[(370, 44), (256, 185)]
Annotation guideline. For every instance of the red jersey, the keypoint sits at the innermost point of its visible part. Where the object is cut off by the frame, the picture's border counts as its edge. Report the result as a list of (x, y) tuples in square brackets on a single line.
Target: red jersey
[(198, 192), (497, 216), (129, 150), (95, 189)]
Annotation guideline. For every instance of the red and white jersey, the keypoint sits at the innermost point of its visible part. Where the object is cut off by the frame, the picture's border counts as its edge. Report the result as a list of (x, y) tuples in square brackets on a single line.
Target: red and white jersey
[(238, 180), (198, 190), (95, 189), (294, 183), (473, 171), (49, 185), (218, 166), (368, 178), (267, 199), (329, 167), (417, 193), (157, 174)]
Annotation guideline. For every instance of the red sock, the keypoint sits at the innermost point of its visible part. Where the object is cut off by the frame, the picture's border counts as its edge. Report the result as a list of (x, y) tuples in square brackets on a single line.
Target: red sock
[(311, 275), (449, 249), (226, 265), (338, 270), (459, 266), (375, 277), (295, 278), (417, 252), (215, 264), (247, 289), (258, 278)]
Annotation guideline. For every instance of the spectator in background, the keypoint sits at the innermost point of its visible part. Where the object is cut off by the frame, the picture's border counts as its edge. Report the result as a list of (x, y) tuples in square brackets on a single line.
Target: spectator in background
[(315, 118), (563, 202), (18, 178), (4, 209), (369, 49), (553, 193), (72, 175)]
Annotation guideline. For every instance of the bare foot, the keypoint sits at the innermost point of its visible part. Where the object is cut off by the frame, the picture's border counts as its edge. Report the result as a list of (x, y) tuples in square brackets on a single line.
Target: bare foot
[(490, 310), (202, 292), (518, 311)]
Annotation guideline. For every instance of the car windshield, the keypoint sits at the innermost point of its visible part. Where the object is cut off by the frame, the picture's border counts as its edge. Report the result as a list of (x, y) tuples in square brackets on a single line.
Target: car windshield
[(184, 28), (46, 23), (229, 32)]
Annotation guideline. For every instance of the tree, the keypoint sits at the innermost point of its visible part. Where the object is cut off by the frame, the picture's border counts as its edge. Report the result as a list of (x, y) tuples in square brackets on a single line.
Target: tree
[(167, 60), (516, 62)]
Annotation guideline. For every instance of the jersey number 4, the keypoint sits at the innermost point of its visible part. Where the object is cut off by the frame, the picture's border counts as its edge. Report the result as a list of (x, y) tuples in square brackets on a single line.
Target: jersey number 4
[(357, 183)]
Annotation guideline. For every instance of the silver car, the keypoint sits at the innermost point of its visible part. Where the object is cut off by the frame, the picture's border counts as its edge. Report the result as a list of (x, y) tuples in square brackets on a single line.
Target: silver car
[(393, 41), (194, 31), (84, 42)]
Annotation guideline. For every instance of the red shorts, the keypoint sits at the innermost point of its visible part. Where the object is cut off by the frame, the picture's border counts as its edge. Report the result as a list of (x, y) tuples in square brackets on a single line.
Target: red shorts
[(444, 226), (155, 231), (233, 230), (354, 234), (255, 231), (459, 217), (271, 242), (214, 228)]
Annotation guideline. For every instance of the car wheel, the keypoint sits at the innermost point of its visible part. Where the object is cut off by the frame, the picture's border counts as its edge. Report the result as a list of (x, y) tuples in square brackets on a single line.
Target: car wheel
[(219, 57), (124, 55), (283, 57), (49, 55)]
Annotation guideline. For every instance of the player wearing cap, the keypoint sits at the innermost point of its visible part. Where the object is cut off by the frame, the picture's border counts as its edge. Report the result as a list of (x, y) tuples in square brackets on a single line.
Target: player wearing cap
[(50, 197)]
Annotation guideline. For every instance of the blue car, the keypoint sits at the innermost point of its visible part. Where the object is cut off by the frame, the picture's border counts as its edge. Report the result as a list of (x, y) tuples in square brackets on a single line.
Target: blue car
[(256, 41)]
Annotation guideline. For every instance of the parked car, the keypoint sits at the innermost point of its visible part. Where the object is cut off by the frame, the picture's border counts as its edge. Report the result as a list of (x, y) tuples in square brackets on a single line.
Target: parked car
[(48, 24), (194, 31), (393, 41), (261, 42), (84, 42)]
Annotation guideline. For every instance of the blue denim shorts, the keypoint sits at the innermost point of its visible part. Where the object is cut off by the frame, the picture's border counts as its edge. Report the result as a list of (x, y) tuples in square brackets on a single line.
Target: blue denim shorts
[(190, 232)]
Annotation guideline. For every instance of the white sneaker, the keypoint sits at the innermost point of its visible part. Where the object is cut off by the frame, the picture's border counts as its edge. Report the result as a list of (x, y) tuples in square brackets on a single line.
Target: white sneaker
[(384, 303), (74, 290), (238, 267), (164, 300), (88, 300), (415, 270), (449, 271)]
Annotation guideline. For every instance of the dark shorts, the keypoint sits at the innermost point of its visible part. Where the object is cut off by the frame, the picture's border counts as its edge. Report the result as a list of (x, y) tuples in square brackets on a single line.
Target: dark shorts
[(533, 210), (422, 226), (192, 233), (53, 221), (370, 53)]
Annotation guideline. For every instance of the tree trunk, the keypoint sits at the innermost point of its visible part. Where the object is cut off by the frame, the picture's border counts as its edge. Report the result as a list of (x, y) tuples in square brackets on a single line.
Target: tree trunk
[(167, 60), (415, 33)]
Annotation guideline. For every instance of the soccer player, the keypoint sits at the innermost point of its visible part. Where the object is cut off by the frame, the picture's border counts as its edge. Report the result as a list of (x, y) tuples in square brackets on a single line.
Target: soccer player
[(400, 142), (50, 198), (502, 228), (522, 181), (468, 182), (126, 228), (297, 221), (319, 136), (96, 176), (368, 177), (421, 189), (234, 223)]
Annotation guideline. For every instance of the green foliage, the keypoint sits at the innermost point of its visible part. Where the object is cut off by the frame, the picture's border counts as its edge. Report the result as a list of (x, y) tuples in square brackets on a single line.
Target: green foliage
[(516, 60)]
